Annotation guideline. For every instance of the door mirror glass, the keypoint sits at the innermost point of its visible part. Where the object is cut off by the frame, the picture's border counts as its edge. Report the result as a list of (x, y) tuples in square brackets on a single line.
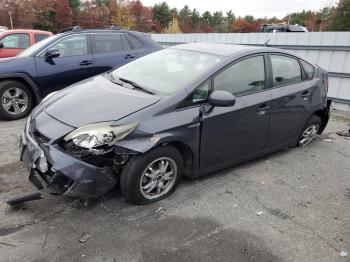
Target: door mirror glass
[(221, 98), (1, 45), (52, 53)]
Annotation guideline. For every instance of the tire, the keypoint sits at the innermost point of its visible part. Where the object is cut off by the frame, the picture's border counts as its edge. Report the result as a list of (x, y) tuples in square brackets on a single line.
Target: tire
[(134, 176), (18, 97), (310, 130)]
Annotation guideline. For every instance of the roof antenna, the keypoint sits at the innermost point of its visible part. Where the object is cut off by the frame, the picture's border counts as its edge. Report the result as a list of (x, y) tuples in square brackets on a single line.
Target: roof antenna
[(267, 41)]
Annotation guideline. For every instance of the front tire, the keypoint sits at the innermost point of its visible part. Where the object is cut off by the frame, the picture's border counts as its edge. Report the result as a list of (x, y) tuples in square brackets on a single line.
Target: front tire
[(153, 176), (16, 100), (310, 130)]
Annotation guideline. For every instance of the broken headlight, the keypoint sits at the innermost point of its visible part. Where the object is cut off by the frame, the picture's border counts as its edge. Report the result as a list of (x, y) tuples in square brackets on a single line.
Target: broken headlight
[(98, 135)]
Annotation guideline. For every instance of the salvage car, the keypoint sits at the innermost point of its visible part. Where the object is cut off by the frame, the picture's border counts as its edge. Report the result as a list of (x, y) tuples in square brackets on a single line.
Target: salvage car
[(184, 111), (64, 59)]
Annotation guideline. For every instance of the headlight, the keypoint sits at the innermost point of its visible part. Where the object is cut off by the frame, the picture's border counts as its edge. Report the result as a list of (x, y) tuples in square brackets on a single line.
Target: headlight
[(100, 134)]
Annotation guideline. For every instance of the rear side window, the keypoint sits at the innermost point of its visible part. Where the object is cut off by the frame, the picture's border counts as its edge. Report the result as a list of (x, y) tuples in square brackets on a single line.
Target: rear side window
[(285, 70), (20, 41), (134, 42), (107, 43), (309, 69), (39, 37), (125, 43), (244, 77)]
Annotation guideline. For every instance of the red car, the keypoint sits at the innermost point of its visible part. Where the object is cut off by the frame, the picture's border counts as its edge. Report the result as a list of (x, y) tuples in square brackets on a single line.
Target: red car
[(13, 42)]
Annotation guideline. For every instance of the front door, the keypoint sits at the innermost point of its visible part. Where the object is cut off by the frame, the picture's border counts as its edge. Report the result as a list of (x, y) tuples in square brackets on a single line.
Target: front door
[(74, 64), (230, 133)]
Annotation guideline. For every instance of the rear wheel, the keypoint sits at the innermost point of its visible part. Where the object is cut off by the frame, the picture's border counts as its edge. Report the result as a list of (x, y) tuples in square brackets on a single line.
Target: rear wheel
[(310, 130), (16, 100), (151, 177)]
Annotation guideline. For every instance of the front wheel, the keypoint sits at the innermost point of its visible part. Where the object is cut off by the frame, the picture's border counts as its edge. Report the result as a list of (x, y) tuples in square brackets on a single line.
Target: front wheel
[(16, 100), (310, 130), (153, 176)]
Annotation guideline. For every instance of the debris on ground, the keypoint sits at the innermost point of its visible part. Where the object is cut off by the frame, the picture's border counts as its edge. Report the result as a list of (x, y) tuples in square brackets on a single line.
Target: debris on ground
[(344, 133), (328, 140), (7, 244), (343, 254), (159, 209), (259, 213), (85, 237)]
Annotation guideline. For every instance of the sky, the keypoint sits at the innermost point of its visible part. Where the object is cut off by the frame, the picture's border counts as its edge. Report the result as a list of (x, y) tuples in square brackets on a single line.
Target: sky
[(257, 8)]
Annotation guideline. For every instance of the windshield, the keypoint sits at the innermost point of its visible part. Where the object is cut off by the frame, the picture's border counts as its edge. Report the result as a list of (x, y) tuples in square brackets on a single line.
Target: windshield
[(36, 47), (168, 70)]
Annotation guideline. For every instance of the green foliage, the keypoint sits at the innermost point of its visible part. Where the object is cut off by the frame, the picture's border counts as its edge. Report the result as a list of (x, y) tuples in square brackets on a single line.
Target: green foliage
[(340, 20), (75, 6), (162, 14)]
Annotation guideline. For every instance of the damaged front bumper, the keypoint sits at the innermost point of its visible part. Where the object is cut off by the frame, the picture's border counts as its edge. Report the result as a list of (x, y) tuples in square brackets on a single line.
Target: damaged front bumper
[(61, 171)]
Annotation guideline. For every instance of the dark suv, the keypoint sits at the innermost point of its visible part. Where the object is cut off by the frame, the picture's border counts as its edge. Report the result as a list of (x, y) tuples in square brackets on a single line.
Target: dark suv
[(64, 59)]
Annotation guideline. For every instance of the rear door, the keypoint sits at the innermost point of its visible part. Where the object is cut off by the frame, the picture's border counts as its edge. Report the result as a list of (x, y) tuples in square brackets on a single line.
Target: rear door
[(110, 50), (231, 133), (75, 63), (291, 99)]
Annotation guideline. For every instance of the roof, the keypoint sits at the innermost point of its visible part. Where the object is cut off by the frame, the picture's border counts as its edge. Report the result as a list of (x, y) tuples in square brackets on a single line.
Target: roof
[(25, 31), (216, 49)]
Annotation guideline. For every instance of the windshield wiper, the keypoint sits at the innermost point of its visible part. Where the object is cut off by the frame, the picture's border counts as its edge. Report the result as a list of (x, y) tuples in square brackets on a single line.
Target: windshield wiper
[(136, 86), (115, 81)]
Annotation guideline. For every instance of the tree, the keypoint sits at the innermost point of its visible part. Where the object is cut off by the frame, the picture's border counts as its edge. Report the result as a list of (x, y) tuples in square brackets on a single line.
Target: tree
[(239, 25), (174, 27), (195, 20), (75, 6), (340, 20), (120, 14), (207, 18), (249, 19), (162, 14), (185, 15), (142, 17), (230, 17)]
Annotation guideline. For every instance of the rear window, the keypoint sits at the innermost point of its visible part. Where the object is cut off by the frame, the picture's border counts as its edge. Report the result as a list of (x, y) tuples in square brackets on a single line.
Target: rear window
[(107, 43), (134, 42), (39, 37), (309, 69), (286, 70)]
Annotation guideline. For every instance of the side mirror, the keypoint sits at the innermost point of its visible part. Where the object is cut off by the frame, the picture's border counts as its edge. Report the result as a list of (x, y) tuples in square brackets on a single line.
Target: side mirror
[(52, 53), (1, 45), (221, 98)]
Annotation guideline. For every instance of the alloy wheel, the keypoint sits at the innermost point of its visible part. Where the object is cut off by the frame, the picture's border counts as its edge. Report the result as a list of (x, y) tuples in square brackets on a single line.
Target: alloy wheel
[(309, 134), (158, 178), (14, 100)]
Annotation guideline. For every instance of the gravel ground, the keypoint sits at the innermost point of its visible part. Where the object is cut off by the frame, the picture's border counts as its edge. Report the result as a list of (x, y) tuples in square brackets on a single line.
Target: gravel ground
[(290, 206)]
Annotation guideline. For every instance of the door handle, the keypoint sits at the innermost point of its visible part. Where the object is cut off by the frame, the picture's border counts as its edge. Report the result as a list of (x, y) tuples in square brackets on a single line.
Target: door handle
[(129, 56), (305, 95), (262, 109), (85, 63)]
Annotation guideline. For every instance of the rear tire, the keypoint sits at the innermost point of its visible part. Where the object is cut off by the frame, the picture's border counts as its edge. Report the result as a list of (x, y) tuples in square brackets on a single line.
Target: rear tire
[(153, 176), (17, 100), (310, 131)]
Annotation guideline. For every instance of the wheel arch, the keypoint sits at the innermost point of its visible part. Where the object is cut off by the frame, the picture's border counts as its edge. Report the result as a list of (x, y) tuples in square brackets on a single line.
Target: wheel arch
[(23, 78)]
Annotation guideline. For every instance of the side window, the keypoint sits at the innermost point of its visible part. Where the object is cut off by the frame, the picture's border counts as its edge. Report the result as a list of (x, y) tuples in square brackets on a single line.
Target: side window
[(107, 43), (244, 77), (125, 43), (134, 42), (20, 41), (39, 37), (199, 95), (285, 70), (309, 69), (76, 45)]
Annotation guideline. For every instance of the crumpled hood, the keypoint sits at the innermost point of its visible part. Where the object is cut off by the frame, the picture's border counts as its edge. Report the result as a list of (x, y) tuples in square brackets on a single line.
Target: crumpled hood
[(96, 100)]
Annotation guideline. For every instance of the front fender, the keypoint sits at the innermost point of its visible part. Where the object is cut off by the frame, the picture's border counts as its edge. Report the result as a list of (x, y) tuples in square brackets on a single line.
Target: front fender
[(144, 144)]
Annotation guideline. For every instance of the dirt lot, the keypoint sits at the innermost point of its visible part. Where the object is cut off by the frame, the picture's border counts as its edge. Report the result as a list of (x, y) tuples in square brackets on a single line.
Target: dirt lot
[(290, 206)]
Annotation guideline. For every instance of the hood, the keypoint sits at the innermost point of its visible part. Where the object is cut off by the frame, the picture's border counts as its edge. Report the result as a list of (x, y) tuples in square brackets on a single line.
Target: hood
[(8, 59), (94, 100)]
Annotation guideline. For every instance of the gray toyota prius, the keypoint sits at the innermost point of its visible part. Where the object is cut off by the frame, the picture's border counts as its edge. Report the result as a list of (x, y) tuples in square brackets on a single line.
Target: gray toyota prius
[(187, 111)]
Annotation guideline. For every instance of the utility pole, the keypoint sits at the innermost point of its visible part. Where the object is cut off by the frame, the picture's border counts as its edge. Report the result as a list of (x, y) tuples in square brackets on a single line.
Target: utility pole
[(10, 14)]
